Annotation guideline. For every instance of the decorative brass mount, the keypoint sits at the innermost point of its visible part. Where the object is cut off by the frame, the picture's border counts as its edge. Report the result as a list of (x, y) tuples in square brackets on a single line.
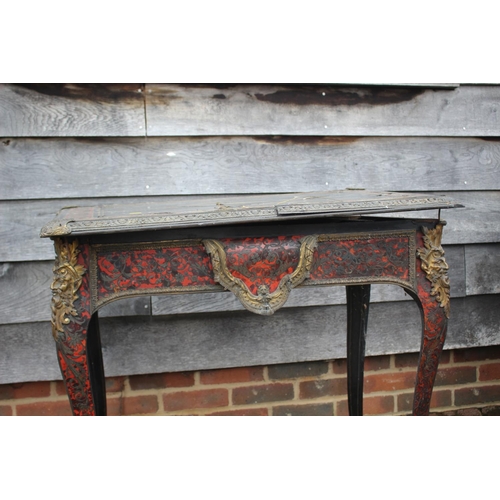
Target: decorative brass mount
[(68, 277), (264, 303), (435, 266)]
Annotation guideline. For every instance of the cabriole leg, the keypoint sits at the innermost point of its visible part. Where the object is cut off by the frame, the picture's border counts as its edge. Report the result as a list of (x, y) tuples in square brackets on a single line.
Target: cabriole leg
[(75, 330), (434, 334), (434, 300)]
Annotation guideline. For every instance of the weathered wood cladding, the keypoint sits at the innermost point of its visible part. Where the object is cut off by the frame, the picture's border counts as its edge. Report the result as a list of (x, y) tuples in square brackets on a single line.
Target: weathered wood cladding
[(322, 110), (203, 341), (68, 110), (59, 168), (67, 144)]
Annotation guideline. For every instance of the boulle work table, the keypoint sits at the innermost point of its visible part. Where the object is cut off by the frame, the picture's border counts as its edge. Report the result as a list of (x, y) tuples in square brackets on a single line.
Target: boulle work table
[(258, 247)]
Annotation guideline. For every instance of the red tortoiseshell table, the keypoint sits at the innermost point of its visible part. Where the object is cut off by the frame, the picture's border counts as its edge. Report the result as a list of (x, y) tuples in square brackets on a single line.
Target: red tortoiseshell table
[(259, 248)]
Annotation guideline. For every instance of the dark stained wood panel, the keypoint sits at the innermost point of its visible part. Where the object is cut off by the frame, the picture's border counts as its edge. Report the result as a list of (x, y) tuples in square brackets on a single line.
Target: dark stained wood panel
[(87, 168), (321, 110), (69, 110), (224, 340), (26, 294)]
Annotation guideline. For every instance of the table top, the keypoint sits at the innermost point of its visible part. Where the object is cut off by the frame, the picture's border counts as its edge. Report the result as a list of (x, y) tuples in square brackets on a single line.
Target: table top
[(221, 210)]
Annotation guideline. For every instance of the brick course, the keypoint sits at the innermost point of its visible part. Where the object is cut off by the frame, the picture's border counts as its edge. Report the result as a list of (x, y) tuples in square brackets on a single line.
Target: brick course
[(210, 398), (5, 411), (470, 396), (307, 410), (232, 375), (490, 371), (262, 394), (297, 370), (312, 389), (455, 376), (439, 399), (44, 408), (389, 381), (246, 412), (467, 384), (161, 380)]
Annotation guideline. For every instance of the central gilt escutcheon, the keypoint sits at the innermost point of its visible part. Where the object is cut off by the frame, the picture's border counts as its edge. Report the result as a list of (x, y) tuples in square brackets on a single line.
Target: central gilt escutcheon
[(262, 271)]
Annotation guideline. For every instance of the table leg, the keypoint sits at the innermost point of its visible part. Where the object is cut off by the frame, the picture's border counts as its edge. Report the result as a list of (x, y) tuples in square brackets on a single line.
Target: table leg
[(433, 297), (358, 301), (80, 359), (75, 330), (434, 334)]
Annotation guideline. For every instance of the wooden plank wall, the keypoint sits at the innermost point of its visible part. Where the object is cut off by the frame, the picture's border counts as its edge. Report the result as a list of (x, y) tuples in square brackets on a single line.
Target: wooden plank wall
[(63, 144)]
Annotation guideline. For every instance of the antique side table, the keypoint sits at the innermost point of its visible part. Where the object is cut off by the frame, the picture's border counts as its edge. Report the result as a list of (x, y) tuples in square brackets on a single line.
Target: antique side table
[(257, 247)]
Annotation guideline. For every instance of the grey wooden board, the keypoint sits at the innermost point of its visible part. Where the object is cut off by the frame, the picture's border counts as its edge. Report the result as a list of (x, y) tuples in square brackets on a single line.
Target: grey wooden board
[(477, 222), (483, 269), (321, 110), (450, 86), (71, 110), (26, 294), (122, 167), (208, 341), (21, 221)]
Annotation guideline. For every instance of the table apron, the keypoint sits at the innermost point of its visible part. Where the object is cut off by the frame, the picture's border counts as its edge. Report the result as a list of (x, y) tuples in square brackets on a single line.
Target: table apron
[(185, 266)]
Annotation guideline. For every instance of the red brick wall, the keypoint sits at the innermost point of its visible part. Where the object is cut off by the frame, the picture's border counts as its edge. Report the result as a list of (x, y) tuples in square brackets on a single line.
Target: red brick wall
[(468, 383)]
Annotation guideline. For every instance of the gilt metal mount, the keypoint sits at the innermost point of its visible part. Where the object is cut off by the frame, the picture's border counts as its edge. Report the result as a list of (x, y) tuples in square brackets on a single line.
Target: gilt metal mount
[(435, 266), (68, 275), (264, 302)]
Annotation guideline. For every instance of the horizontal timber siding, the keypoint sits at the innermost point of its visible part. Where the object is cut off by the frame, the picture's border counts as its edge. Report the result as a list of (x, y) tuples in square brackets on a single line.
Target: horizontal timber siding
[(133, 345), (66, 144), (50, 168), (56, 110), (322, 110)]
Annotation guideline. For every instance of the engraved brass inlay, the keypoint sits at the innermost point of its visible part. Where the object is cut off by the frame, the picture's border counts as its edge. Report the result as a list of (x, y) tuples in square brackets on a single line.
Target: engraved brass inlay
[(264, 303), (435, 266), (67, 280)]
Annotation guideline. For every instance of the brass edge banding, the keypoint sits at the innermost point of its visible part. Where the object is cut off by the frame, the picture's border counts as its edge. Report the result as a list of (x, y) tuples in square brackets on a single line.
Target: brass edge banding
[(156, 291), (375, 280), (149, 245), (361, 205), (93, 279), (152, 222), (364, 236)]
